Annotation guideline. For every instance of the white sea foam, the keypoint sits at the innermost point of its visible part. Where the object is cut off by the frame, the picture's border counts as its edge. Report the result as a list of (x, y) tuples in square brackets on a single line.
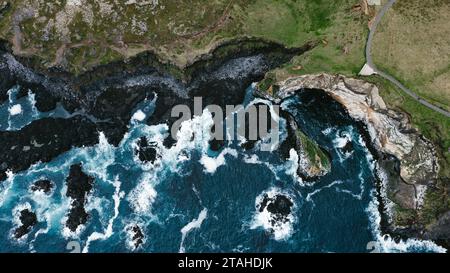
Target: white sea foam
[(138, 116), (252, 159), (32, 101), (14, 110), (6, 186), (388, 204), (341, 138), (328, 130), (118, 195), (282, 230), (361, 187), (211, 164), (50, 213), (193, 134), (384, 243), (194, 224), (142, 197), (311, 194), (292, 165), (16, 220), (98, 158), (340, 142)]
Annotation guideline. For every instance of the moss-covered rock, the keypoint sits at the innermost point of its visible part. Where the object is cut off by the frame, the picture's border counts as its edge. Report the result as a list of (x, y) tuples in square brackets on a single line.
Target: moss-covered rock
[(313, 161)]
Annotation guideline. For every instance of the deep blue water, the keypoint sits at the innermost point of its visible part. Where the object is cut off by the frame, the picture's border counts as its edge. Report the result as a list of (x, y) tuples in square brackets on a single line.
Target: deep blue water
[(195, 200)]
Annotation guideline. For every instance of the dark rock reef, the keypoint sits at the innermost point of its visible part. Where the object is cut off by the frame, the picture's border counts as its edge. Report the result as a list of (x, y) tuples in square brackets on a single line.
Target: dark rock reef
[(103, 100), (136, 236), (42, 140), (279, 206), (27, 219), (43, 185), (146, 152), (79, 185)]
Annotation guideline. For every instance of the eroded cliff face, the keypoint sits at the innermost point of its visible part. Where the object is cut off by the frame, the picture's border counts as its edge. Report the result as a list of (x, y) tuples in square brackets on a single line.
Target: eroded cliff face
[(390, 132)]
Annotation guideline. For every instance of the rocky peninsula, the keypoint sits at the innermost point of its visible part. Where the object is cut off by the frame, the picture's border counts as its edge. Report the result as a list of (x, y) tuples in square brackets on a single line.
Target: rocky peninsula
[(407, 162)]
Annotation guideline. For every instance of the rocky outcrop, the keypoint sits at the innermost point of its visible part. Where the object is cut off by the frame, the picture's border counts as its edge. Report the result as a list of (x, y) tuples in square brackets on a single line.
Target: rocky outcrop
[(42, 140), (104, 99), (146, 152), (27, 220), (390, 131), (279, 206), (312, 162), (43, 185), (136, 236), (79, 185)]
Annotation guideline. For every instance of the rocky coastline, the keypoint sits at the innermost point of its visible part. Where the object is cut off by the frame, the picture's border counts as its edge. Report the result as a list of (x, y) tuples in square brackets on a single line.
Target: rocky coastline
[(407, 162), (104, 99)]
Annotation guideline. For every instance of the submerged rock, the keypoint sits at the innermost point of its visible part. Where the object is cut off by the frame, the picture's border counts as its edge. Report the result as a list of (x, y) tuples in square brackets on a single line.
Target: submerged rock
[(136, 236), (348, 147), (146, 151), (168, 142), (43, 185), (27, 219), (79, 185)]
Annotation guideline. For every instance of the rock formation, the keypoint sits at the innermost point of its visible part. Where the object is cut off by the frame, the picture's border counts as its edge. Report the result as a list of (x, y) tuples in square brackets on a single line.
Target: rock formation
[(390, 131)]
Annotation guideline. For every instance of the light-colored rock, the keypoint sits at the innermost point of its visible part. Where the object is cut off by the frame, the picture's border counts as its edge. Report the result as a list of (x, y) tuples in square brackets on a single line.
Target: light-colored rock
[(390, 130)]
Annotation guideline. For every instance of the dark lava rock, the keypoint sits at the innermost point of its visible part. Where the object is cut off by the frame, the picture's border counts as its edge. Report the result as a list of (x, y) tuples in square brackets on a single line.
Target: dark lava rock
[(42, 140), (348, 148), (169, 142), (146, 151), (115, 106), (279, 206), (106, 97), (79, 185), (44, 185), (7, 81), (137, 236), (291, 139), (45, 101), (28, 219)]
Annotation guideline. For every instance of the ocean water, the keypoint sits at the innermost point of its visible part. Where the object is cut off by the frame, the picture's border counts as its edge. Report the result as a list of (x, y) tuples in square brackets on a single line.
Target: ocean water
[(192, 199)]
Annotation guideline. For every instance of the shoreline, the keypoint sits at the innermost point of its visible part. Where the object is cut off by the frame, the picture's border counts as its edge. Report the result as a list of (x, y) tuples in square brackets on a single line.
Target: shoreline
[(387, 133), (75, 92)]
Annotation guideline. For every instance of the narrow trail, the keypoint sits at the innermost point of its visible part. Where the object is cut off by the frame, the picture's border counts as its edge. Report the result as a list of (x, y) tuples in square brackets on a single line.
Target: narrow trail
[(390, 77)]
